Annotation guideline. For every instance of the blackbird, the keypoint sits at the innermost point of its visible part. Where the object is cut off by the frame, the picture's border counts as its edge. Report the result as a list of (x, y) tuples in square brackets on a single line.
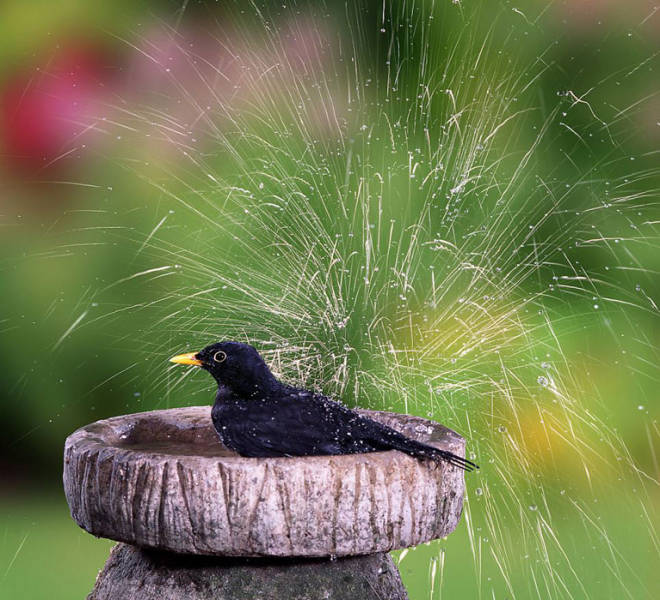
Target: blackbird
[(256, 415)]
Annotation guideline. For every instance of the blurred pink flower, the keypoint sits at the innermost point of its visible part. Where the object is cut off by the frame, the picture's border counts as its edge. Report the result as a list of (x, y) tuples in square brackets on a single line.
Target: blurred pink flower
[(607, 15), (46, 111), (188, 86)]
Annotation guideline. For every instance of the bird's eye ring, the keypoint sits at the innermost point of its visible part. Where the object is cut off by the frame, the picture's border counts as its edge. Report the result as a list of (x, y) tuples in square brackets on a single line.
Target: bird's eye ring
[(220, 356)]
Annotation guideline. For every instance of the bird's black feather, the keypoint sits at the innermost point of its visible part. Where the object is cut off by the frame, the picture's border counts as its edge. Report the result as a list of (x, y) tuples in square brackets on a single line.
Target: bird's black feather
[(256, 415)]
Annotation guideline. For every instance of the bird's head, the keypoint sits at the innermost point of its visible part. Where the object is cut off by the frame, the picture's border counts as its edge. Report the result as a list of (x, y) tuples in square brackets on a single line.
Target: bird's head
[(234, 365)]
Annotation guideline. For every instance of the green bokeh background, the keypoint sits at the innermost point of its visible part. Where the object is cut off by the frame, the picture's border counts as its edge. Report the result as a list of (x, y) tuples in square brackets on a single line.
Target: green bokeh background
[(69, 249)]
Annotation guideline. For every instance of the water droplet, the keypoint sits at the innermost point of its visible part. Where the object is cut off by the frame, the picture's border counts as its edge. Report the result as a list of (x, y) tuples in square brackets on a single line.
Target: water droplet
[(533, 507), (423, 429), (478, 491), (543, 380)]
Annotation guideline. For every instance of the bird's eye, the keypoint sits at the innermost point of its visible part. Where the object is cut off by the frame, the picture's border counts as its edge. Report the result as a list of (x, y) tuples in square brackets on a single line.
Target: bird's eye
[(219, 356)]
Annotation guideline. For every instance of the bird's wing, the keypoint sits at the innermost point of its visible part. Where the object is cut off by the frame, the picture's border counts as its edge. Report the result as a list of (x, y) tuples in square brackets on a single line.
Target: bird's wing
[(297, 424), (300, 423), (382, 437)]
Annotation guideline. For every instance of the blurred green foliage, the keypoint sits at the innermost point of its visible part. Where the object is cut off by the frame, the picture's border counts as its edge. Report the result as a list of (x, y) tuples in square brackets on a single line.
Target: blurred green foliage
[(80, 337)]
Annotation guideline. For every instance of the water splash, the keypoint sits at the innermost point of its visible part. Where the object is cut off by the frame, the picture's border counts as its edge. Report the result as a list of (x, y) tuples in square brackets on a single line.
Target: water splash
[(367, 200)]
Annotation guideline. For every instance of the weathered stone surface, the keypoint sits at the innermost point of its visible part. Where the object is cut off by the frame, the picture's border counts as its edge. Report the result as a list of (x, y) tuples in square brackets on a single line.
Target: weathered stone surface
[(162, 480), (135, 574)]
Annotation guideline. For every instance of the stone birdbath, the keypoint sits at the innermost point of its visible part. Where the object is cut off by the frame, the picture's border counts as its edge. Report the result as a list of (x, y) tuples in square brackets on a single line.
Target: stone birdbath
[(199, 522)]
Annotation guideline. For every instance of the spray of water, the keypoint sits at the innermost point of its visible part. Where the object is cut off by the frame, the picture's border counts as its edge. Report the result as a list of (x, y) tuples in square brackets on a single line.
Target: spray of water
[(378, 199)]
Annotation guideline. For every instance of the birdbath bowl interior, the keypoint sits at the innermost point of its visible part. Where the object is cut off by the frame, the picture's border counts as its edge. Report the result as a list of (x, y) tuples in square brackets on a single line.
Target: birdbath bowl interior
[(163, 480)]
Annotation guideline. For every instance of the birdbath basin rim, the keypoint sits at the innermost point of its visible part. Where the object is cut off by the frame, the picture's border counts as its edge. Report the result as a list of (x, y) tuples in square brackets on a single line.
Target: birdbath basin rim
[(163, 480)]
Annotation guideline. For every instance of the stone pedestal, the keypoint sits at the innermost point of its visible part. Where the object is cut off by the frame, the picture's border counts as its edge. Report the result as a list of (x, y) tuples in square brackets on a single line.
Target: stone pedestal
[(191, 513), (132, 573)]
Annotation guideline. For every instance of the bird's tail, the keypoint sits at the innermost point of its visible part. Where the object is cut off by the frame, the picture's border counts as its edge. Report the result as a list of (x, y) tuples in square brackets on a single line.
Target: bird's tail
[(421, 450)]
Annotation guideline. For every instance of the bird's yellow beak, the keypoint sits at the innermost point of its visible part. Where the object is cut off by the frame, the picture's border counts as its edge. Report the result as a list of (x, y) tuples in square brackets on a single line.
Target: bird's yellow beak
[(186, 359)]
